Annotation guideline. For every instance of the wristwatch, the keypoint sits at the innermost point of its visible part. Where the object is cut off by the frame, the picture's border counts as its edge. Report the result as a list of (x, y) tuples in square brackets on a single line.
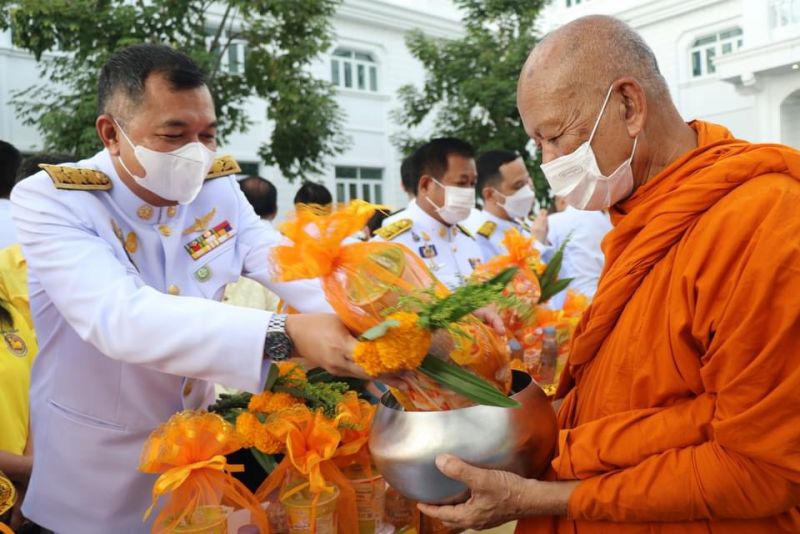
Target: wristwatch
[(277, 345)]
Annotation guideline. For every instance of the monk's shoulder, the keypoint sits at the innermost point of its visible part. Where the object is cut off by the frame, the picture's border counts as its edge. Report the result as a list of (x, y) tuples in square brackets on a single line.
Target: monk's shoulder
[(753, 201)]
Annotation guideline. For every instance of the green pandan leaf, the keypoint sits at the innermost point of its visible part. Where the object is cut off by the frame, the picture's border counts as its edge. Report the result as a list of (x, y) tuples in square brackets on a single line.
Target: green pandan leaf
[(379, 330)]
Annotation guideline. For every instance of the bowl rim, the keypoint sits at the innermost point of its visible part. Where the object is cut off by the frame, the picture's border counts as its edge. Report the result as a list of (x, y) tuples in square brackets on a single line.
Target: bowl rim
[(521, 384)]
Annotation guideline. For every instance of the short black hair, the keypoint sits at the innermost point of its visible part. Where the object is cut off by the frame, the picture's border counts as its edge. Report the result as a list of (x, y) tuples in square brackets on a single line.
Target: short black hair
[(10, 159), (127, 70), (488, 165), (313, 193), (431, 158), (409, 173), (30, 164), (261, 194)]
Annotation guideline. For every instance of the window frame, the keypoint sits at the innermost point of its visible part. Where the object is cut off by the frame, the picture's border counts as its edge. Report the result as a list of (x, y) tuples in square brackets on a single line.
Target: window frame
[(350, 183), (347, 70), (705, 49)]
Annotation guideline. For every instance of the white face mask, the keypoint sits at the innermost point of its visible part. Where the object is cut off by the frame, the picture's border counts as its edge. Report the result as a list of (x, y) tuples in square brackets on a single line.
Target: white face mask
[(518, 205), (176, 175), (578, 179), (458, 203)]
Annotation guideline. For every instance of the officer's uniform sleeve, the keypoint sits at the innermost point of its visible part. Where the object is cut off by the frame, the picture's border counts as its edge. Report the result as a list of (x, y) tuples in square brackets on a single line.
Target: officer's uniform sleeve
[(306, 296), (111, 307)]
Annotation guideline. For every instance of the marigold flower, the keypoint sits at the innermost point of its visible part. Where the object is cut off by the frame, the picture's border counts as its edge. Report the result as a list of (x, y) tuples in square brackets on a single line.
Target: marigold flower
[(247, 427), (269, 402), (291, 371), (365, 355)]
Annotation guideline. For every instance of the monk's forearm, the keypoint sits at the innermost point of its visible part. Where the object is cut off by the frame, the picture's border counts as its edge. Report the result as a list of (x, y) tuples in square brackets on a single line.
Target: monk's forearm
[(537, 498), (703, 482)]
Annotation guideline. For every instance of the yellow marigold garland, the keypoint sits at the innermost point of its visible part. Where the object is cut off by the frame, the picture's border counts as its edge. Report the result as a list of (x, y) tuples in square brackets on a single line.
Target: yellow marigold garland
[(269, 402), (402, 348), (291, 371)]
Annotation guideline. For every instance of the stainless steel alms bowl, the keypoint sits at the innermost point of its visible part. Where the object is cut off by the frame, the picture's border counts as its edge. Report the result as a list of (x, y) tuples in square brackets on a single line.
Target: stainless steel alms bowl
[(404, 445)]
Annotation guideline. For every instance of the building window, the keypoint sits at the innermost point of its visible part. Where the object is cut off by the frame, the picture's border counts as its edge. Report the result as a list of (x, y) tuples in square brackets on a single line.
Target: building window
[(365, 183), (708, 47), (232, 60), (354, 70), (249, 168), (784, 13)]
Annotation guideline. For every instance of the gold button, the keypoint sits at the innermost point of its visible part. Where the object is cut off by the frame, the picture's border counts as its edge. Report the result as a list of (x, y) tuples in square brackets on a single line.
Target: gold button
[(165, 230), (145, 212), (172, 210), (173, 290), (442, 232), (187, 388), (131, 243)]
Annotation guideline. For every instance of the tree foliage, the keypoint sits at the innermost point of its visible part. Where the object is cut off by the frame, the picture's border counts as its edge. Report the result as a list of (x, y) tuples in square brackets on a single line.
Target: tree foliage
[(73, 38), (471, 82)]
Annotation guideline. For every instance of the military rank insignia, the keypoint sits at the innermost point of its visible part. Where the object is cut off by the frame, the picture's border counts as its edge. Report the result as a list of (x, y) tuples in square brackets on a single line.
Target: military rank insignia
[(428, 251), (209, 240)]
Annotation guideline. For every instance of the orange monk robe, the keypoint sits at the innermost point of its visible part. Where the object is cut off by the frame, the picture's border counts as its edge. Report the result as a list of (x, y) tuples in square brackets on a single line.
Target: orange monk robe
[(682, 406)]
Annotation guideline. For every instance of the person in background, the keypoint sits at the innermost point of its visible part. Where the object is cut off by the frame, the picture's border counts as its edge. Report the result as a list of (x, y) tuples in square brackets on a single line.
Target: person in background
[(10, 160), (445, 194), (508, 198), (263, 196), (314, 194), (18, 349), (409, 175), (583, 232), (30, 164)]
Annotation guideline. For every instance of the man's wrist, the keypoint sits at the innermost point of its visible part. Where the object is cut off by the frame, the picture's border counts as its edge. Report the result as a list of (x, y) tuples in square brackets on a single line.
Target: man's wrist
[(278, 345), (541, 498)]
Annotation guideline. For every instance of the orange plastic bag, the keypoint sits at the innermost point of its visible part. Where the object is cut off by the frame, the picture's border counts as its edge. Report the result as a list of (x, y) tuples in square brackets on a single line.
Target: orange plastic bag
[(363, 280), (189, 451)]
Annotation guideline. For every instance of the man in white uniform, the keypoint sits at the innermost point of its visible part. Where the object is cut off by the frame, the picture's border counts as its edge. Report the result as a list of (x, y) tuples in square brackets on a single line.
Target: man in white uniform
[(128, 252), (445, 195), (583, 258), (506, 189)]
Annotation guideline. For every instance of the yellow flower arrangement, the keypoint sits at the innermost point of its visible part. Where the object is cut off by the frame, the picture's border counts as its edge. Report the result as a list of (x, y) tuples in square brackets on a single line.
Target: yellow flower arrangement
[(291, 371), (270, 402), (402, 348)]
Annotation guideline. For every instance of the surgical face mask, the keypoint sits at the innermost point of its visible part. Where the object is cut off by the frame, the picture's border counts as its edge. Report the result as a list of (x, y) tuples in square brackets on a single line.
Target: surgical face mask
[(458, 203), (176, 175), (578, 179), (518, 205)]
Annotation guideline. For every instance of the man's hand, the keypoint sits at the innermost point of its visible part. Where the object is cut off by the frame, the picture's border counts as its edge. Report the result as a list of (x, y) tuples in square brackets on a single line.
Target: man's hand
[(497, 497), (539, 227), (323, 340)]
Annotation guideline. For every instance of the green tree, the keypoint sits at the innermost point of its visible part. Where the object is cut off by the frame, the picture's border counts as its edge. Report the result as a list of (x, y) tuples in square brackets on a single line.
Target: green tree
[(471, 82), (71, 39)]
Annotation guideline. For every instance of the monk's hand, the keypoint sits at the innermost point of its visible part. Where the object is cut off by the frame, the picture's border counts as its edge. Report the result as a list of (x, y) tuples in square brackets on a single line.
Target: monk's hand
[(490, 317), (496, 497), (539, 227)]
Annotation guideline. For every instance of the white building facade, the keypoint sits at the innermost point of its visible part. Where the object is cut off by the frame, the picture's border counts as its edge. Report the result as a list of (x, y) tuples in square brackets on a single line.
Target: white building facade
[(367, 63), (733, 62)]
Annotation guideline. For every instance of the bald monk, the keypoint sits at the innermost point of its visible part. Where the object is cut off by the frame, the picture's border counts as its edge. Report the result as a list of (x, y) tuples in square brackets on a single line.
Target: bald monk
[(681, 403)]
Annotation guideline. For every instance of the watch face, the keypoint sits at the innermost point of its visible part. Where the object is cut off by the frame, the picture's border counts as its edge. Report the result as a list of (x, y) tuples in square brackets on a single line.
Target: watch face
[(277, 346)]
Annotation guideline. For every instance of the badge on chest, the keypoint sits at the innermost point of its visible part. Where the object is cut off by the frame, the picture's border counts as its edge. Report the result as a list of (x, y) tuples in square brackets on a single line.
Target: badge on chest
[(427, 251)]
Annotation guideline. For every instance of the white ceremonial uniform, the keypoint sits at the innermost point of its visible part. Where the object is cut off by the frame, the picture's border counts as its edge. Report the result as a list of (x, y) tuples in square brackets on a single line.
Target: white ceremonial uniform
[(119, 352), (402, 213), (490, 230), (450, 252), (583, 257)]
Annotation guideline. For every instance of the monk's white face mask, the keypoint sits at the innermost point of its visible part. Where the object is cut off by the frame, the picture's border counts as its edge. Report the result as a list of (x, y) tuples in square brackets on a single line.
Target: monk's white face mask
[(578, 179)]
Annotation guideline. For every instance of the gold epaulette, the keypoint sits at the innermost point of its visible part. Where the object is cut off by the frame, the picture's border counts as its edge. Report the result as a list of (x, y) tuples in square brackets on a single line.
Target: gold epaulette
[(487, 229), (77, 178), (465, 231), (223, 166), (394, 229)]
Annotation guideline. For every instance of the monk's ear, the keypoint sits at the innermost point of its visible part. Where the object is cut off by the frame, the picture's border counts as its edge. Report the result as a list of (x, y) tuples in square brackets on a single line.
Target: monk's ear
[(635, 100)]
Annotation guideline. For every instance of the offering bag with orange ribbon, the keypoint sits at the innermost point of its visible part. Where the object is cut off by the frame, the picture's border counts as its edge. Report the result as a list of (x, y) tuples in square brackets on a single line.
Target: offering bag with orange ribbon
[(188, 452), (308, 471), (363, 282)]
